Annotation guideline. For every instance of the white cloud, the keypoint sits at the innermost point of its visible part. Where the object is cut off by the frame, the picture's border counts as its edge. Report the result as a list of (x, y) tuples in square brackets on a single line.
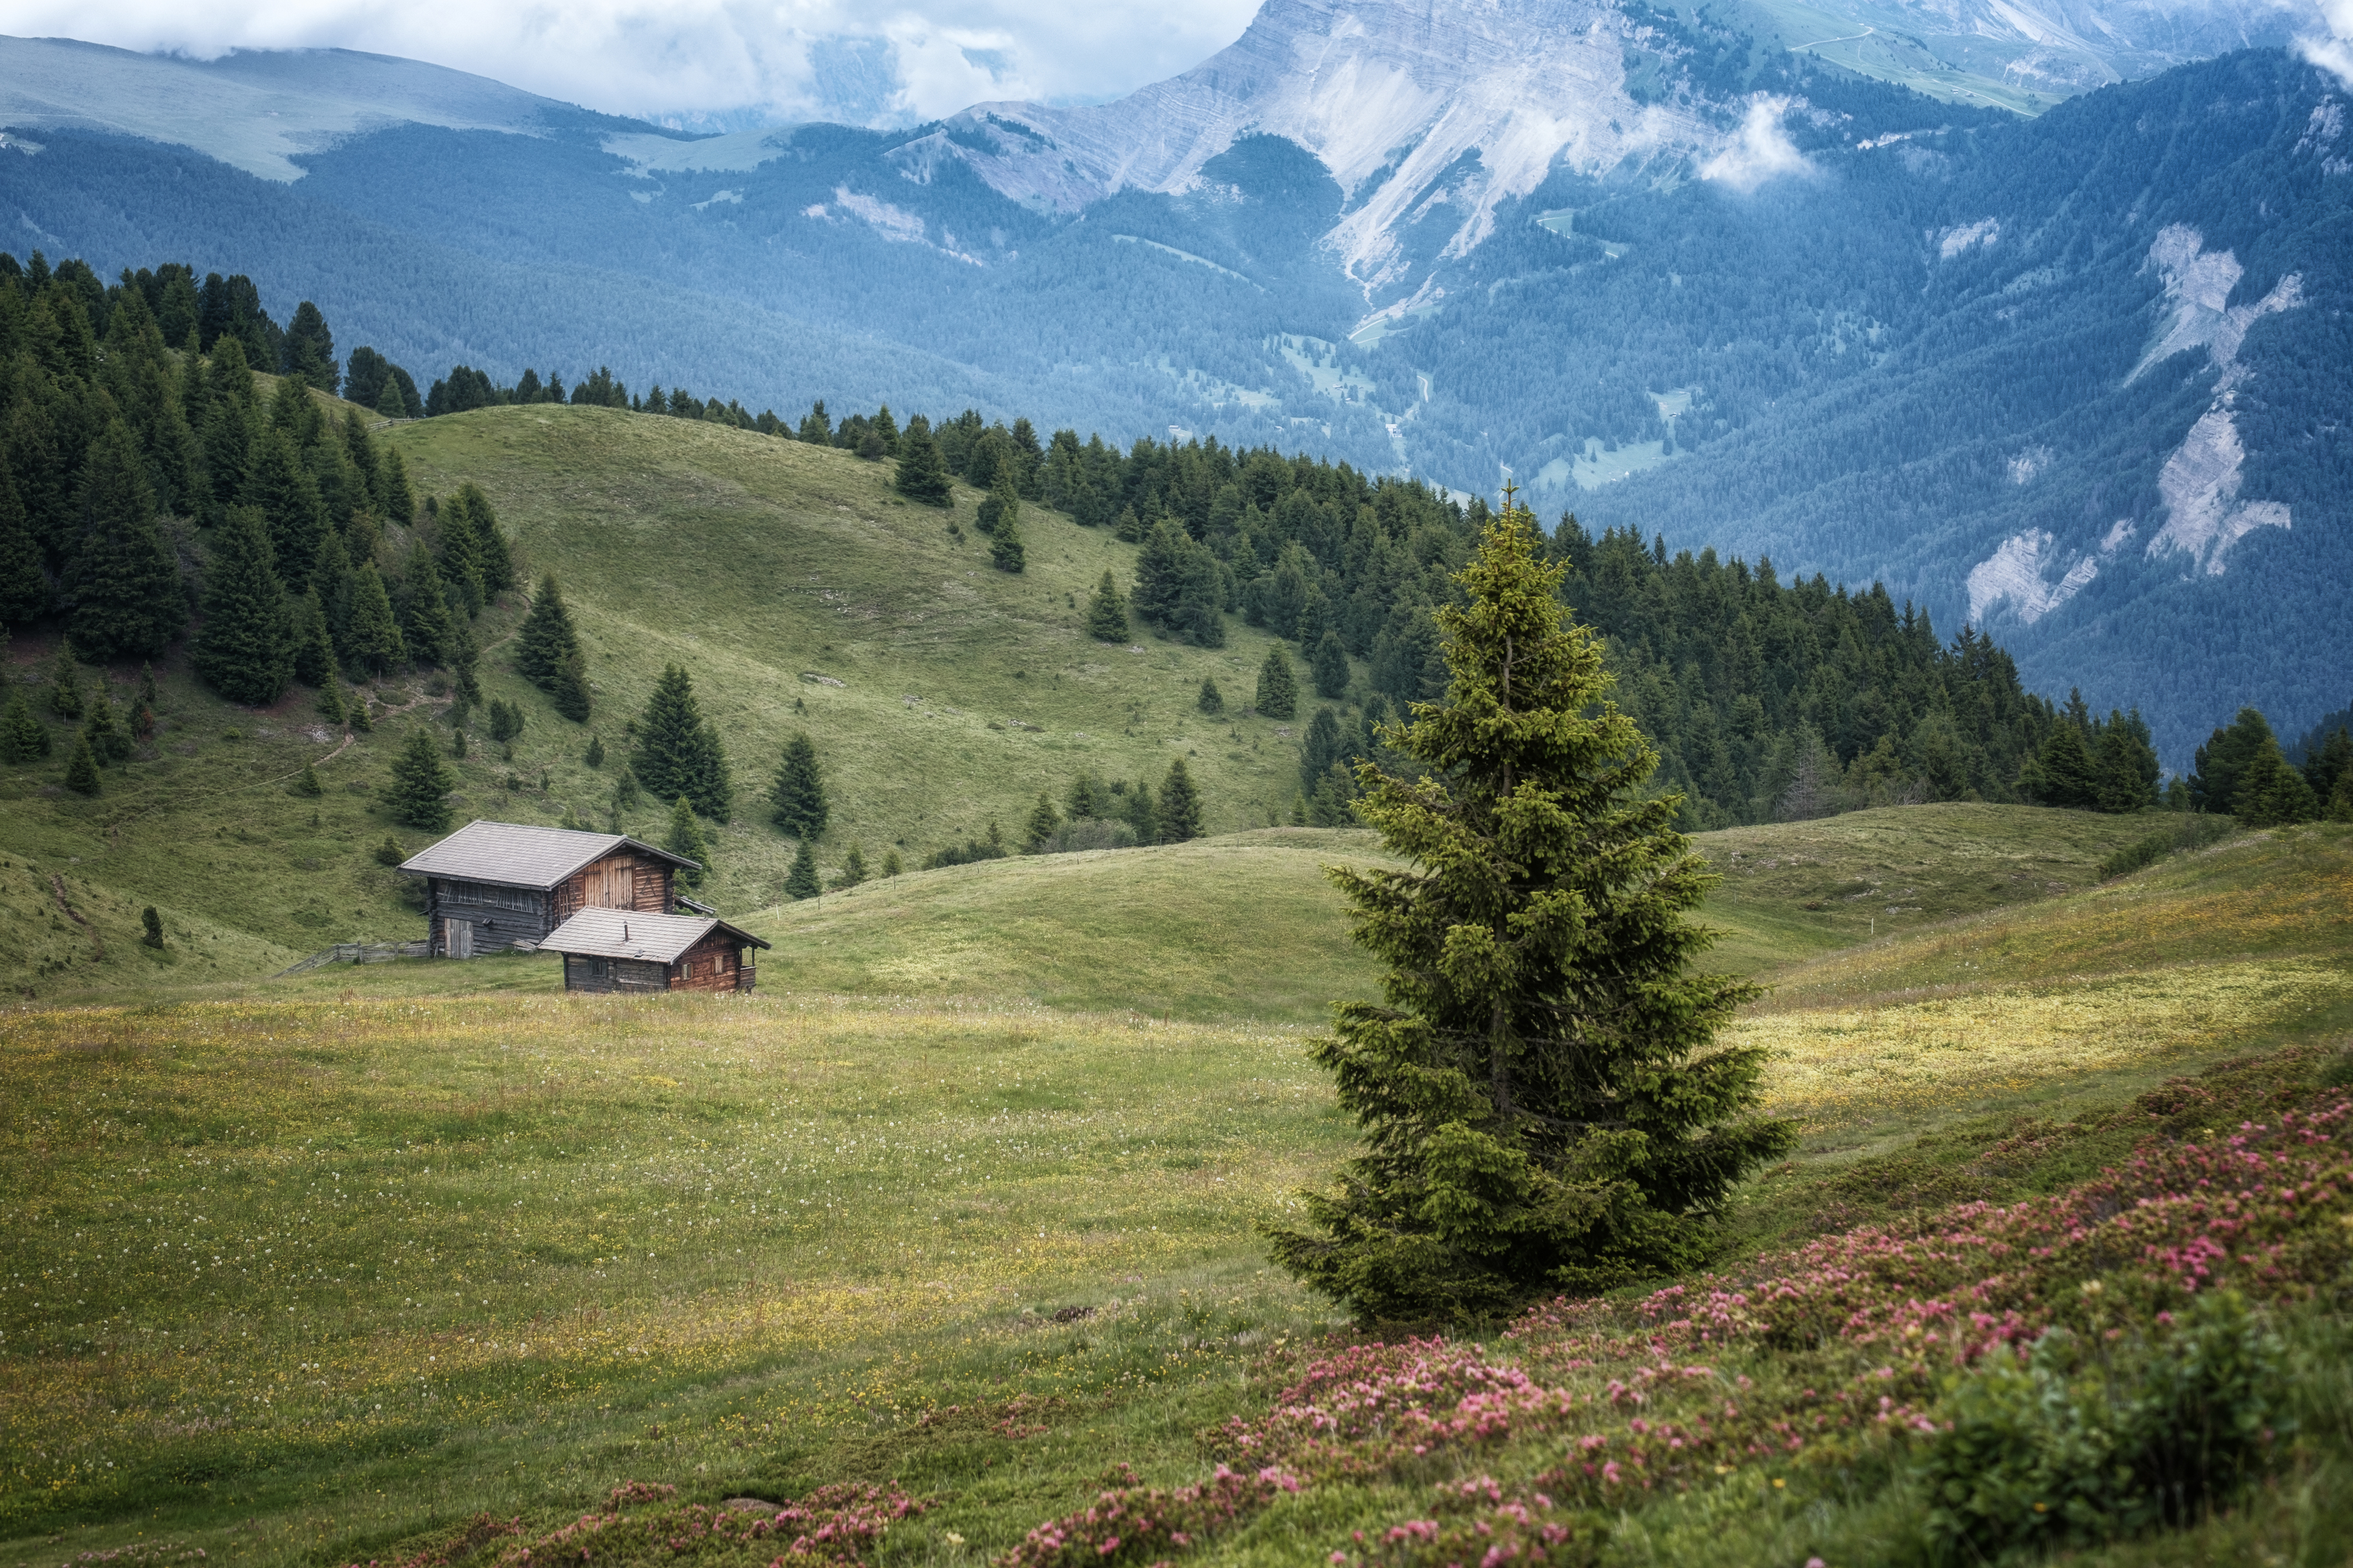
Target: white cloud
[(1761, 150), (724, 63), (2334, 50)]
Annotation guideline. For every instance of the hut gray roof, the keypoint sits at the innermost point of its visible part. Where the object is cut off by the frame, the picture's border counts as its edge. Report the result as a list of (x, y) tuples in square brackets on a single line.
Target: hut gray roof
[(514, 855), (626, 934)]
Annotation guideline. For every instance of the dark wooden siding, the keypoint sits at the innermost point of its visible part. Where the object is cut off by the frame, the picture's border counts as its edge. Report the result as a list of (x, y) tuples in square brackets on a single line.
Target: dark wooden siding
[(501, 916), (714, 963), (607, 975)]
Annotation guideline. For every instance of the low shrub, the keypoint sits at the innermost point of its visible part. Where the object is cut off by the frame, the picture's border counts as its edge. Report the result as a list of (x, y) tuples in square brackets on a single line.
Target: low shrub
[(2069, 1443), (2192, 832)]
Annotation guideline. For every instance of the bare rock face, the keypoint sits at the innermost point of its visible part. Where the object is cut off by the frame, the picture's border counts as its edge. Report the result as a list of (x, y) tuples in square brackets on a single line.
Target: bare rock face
[(1391, 96)]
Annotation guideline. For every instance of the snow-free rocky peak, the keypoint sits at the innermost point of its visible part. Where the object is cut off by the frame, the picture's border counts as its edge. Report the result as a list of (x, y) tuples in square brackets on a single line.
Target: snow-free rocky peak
[(1391, 94)]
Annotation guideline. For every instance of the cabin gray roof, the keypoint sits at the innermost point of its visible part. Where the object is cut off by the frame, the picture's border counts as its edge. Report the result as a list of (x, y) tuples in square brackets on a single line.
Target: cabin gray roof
[(514, 855), (626, 934)]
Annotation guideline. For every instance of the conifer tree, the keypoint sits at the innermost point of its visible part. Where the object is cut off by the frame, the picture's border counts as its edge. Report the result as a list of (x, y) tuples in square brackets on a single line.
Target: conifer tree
[(426, 629), (1002, 503), (309, 350), (1005, 552), (242, 650), (279, 483), (685, 838), (24, 590), (1043, 820), (23, 737), (678, 754), (1140, 812), (2271, 793), (371, 644), (419, 791), (853, 866), (313, 648), (891, 865), (796, 798), (1107, 613), (124, 581), (2062, 773), (1331, 667), (151, 920), (1543, 1105), (570, 689), (1211, 700), (1332, 804), (1180, 806), (2329, 761), (1320, 749), (65, 681), (923, 474), (81, 768), (107, 739), (307, 785), (801, 882), (1278, 693), (2215, 770), (596, 753), (333, 706), (495, 560), (546, 637), (355, 713), (394, 495)]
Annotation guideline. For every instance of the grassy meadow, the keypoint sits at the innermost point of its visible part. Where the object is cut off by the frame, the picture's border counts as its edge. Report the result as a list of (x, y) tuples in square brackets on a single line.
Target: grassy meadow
[(413, 1265), (317, 1272)]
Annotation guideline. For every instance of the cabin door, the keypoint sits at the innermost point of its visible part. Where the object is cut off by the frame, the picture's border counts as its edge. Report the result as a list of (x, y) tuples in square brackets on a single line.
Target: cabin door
[(458, 938)]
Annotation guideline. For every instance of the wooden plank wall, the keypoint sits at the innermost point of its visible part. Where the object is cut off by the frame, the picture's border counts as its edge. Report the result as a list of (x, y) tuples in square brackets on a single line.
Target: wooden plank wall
[(606, 976), (498, 923), (711, 964), (624, 879)]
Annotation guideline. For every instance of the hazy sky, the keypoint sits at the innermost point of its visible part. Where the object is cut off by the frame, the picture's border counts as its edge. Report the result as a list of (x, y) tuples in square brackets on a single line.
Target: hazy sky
[(739, 60)]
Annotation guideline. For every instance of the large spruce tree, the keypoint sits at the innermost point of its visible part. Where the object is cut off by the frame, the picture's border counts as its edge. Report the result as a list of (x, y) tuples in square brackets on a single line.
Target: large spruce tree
[(1544, 1106), (797, 800), (243, 651), (124, 584), (678, 753)]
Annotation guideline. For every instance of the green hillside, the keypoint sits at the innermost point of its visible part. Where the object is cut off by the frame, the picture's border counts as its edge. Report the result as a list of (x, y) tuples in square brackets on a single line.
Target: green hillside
[(801, 593), (797, 592)]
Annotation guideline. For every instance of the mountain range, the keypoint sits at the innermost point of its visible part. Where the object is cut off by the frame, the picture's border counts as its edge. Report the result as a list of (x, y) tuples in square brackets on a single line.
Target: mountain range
[(2035, 313)]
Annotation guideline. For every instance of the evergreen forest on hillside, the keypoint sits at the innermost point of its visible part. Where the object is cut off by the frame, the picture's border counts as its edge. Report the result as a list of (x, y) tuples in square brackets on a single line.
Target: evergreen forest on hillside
[(147, 486)]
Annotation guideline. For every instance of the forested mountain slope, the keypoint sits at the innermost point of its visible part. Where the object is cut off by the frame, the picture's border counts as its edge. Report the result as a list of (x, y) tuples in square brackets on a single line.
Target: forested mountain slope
[(2077, 379)]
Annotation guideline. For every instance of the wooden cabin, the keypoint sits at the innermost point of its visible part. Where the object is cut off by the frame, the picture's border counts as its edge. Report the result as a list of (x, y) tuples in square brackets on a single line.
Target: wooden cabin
[(621, 950), (494, 885)]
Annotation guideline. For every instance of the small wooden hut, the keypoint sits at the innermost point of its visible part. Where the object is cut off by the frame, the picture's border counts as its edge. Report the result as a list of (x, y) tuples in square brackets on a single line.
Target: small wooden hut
[(620, 950), (492, 886)]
